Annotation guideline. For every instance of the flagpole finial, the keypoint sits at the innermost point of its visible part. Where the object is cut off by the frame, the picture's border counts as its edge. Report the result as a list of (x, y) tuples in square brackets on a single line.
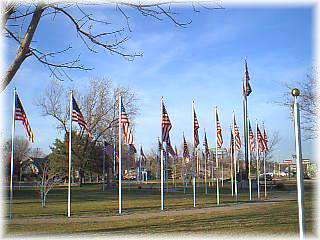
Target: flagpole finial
[(295, 92)]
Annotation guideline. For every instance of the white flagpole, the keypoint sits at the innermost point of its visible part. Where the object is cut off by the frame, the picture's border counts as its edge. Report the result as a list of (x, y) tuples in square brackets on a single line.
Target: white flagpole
[(249, 165), (231, 167), (194, 154), (161, 155), (235, 161), (103, 166), (205, 166), (140, 156), (120, 156), (217, 162), (12, 152), (70, 154), (257, 159), (300, 183), (264, 171)]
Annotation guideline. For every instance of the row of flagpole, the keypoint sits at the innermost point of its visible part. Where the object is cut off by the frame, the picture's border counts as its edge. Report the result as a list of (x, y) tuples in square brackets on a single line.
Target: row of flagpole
[(76, 115)]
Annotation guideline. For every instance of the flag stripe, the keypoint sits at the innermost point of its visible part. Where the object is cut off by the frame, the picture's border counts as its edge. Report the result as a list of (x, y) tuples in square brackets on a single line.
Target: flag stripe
[(195, 129), (166, 124), (78, 117), (251, 139), (236, 135), (20, 115), (219, 132)]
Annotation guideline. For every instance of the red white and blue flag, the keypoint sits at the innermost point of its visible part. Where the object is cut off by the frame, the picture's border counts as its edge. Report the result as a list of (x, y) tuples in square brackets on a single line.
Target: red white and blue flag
[(265, 138), (78, 117), (20, 115), (166, 124), (205, 144), (195, 129), (261, 143), (236, 134), (185, 148), (124, 121), (219, 132), (246, 85), (170, 148), (251, 139)]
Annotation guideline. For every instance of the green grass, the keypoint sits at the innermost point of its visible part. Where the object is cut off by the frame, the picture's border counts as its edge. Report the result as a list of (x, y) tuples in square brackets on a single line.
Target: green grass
[(92, 211)]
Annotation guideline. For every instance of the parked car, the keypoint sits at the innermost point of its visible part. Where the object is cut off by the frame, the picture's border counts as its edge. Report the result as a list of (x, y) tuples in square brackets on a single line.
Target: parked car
[(268, 177)]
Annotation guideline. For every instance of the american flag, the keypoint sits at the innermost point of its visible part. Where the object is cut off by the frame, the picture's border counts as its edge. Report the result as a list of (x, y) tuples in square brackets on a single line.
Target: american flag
[(170, 148), (219, 132), (231, 142), (78, 117), (236, 135), (251, 139), (166, 124), (130, 141), (265, 138), (20, 115), (124, 120), (142, 153), (261, 146), (132, 148), (246, 85), (195, 129), (185, 148), (205, 144)]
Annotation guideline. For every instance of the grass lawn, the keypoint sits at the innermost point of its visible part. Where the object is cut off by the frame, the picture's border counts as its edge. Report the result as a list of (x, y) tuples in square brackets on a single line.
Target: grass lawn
[(96, 211)]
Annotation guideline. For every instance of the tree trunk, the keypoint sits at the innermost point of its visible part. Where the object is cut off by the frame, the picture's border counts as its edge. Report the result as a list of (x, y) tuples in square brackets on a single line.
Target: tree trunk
[(44, 199), (24, 50)]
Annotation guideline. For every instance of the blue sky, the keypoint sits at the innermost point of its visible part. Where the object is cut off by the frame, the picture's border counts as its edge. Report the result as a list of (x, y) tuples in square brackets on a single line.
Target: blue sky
[(203, 62)]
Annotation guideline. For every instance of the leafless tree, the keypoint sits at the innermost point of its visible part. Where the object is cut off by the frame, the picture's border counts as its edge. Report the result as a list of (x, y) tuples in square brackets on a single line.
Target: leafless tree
[(273, 142), (21, 154), (309, 105), (20, 23), (98, 105), (49, 177)]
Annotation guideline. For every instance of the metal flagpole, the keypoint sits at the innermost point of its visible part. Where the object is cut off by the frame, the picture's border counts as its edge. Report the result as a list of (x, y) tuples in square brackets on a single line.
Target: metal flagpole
[(212, 170), (194, 154), (222, 174), (264, 170), (257, 159), (114, 141), (70, 154), (140, 177), (250, 186), (103, 165), (235, 163), (161, 156), (114, 154), (120, 156), (300, 183), (166, 168), (12, 151), (249, 169), (231, 164), (217, 162), (205, 174), (205, 166)]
